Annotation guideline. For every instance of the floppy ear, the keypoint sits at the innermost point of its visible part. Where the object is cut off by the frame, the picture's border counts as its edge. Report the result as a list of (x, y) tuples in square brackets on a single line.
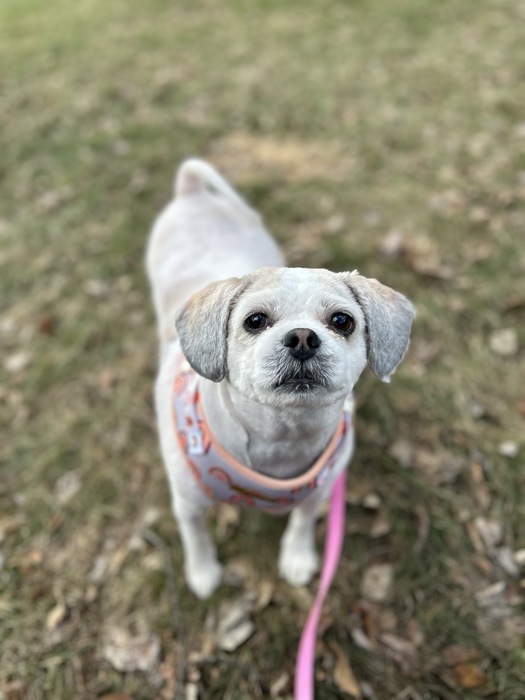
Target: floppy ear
[(202, 325), (389, 317)]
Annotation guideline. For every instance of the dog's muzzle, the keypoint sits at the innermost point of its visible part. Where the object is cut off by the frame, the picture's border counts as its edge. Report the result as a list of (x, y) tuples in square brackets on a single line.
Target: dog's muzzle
[(302, 368)]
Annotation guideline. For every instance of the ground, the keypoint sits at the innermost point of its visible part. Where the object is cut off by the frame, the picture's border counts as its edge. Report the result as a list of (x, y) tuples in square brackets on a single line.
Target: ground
[(388, 137)]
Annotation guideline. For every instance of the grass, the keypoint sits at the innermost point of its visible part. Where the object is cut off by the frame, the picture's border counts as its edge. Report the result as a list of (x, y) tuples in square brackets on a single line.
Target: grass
[(342, 123)]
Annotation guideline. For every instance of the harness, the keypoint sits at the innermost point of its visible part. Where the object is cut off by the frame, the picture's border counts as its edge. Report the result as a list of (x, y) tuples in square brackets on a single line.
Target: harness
[(223, 478)]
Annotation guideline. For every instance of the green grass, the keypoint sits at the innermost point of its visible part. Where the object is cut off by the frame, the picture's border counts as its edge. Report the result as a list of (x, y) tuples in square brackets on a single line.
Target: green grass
[(340, 122)]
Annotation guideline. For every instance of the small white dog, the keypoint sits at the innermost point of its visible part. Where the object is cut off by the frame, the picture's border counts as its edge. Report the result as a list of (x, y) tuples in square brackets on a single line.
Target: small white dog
[(264, 418)]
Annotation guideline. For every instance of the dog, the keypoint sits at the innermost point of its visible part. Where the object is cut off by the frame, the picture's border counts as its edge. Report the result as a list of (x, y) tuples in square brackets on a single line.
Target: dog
[(257, 366)]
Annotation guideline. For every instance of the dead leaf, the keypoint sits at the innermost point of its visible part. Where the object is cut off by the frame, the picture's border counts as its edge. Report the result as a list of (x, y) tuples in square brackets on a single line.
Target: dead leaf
[(502, 627), (240, 571), (401, 450), (228, 519), (417, 252), (265, 589), (475, 537), (479, 485), (47, 324), (509, 448), (193, 672), (302, 597), (490, 530), (344, 677), (51, 199), (367, 691), (505, 558), (504, 342), (31, 560), (366, 628), (392, 244), (513, 303), (484, 565), (168, 673), (360, 639), (97, 288), (56, 616), (381, 526), (9, 525), (457, 654), (191, 691), (519, 557), (127, 653), (280, 685), (109, 564), (335, 224), (448, 202), (234, 625), (470, 675), (67, 486), (520, 407), (17, 362), (415, 632), (376, 583), (106, 381), (401, 650), (15, 690), (372, 501), (494, 599), (154, 561), (438, 465), (423, 354), (387, 621)]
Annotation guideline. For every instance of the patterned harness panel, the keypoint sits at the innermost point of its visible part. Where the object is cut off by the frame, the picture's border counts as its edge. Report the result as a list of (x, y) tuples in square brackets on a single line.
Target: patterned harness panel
[(223, 478)]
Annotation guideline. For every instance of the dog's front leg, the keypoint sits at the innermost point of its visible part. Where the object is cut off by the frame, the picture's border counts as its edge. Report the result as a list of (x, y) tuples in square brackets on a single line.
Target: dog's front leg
[(202, 568), (298, 559)]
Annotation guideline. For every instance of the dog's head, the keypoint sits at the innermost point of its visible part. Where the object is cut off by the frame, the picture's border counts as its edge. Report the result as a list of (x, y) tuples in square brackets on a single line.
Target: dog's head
[(290, 336)]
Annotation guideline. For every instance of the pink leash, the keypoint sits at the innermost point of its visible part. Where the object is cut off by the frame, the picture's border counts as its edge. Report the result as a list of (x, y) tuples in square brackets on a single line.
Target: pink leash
[(304, 667)]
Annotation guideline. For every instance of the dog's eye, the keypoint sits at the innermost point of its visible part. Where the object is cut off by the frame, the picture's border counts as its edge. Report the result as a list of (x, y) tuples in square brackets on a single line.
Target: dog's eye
[(342, 323), (256, 322)]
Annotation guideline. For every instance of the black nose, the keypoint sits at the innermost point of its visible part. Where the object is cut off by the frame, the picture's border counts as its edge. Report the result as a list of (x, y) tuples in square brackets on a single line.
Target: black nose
[(303, 343)]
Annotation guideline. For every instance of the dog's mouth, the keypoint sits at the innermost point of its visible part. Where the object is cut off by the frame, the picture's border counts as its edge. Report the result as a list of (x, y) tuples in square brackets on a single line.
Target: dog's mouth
[(298, 386), (295, 377), (300, 383)]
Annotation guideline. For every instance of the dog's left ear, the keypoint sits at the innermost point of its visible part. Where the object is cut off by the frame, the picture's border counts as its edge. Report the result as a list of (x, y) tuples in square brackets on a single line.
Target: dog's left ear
[(202, 325), (389, 317)]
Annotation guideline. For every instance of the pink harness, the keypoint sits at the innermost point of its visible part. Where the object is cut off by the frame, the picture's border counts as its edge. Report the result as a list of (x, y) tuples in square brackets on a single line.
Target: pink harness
[(223, 478)]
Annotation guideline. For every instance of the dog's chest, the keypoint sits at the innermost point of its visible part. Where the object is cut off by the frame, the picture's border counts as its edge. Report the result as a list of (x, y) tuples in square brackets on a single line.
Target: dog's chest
[(223, 478)]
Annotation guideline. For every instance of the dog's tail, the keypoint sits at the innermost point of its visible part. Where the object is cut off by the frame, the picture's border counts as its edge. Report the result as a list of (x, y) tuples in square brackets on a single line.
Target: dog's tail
[(196, 176)]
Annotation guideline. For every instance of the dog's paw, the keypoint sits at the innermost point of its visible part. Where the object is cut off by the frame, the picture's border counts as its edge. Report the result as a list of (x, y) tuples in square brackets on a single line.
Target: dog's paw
[(298, 568), (204, 578)]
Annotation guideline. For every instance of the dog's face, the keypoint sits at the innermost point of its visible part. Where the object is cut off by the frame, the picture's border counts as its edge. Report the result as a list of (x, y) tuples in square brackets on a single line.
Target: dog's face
[(294, 336)]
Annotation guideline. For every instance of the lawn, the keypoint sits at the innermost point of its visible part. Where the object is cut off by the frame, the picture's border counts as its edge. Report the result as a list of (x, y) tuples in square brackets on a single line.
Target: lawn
[(388, 137)]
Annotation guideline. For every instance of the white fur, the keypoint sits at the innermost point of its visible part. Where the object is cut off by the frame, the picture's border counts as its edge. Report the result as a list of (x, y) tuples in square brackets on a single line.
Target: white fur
[(207, 234)]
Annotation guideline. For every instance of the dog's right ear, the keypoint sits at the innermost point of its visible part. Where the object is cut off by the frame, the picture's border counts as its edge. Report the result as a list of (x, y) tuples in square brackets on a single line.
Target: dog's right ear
[(202, 325)]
